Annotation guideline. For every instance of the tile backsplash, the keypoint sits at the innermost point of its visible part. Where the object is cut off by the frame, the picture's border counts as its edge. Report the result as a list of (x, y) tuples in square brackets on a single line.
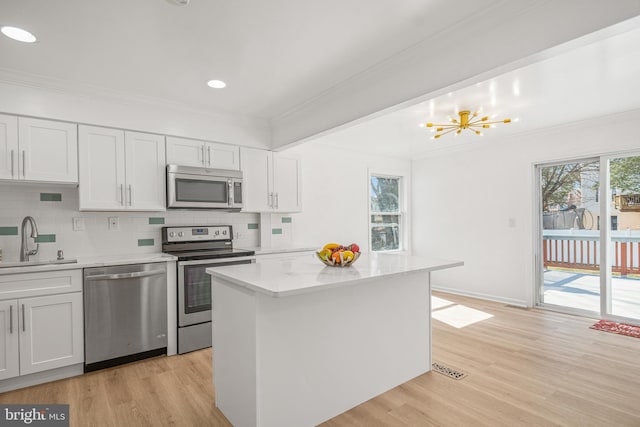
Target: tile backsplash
[(54, 208)]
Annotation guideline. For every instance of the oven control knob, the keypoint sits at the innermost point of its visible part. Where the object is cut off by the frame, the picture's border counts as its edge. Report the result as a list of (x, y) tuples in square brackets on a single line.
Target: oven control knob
[(172, 234), (224, 232), (180, 234)]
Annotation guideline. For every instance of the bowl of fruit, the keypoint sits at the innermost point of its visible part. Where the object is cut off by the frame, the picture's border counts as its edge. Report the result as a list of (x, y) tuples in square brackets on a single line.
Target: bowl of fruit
[(337, 255)]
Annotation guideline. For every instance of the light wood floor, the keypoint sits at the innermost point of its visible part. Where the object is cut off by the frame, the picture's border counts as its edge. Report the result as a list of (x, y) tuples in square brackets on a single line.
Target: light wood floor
[(524, 368)]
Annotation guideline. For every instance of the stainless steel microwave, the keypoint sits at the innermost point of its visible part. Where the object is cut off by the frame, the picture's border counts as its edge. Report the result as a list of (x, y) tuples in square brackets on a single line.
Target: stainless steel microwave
[(201, 188)]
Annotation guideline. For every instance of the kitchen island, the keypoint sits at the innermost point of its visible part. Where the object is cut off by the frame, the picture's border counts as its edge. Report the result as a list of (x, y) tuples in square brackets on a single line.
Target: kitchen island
[(297, 343)]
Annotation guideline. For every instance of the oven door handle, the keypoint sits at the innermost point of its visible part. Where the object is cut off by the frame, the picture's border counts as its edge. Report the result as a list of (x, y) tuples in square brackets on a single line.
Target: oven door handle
[(218, 260)]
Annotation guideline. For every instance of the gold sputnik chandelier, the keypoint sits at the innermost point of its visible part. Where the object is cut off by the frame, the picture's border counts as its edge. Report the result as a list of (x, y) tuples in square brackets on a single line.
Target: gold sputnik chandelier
[(467, 121)]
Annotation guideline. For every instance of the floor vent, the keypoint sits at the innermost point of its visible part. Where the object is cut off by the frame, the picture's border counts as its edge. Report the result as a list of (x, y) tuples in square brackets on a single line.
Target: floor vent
[(451, 373)]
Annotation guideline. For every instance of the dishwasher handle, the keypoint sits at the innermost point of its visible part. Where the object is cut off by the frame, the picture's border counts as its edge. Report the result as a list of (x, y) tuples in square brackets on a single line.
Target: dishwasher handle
[(126, 275)]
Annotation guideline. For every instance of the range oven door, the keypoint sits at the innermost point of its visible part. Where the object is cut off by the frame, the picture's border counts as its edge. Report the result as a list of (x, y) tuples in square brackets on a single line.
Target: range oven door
[(194, 288)]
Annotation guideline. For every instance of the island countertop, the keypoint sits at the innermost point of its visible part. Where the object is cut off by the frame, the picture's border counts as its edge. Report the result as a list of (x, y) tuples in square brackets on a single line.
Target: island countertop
[(304, 274)]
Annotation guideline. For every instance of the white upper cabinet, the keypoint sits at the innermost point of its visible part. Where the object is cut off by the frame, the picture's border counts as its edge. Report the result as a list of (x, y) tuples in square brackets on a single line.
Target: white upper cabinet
[(121, 170), (145, 171), (192, 152), (8, 147), (286, 183), (48, 150), (101, 165), (271, 181), (38, 150)]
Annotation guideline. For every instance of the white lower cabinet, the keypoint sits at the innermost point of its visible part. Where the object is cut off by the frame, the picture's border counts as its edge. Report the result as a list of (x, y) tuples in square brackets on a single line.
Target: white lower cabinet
[(39, 333)]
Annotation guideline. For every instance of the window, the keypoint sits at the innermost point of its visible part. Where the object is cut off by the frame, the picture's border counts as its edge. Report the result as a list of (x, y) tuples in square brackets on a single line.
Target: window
[(385, 213)]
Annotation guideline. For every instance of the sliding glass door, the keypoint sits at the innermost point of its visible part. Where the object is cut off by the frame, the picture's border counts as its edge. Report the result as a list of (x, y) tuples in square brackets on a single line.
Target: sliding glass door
[(589, 234), (624, 217)]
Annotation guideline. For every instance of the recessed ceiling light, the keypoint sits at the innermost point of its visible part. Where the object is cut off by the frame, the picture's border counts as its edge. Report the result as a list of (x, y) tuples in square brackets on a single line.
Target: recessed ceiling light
[(18, 34), (216, 84)]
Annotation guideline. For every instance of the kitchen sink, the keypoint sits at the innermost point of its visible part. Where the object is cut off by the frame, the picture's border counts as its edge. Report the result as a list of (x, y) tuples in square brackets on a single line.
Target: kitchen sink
[(37, 263)]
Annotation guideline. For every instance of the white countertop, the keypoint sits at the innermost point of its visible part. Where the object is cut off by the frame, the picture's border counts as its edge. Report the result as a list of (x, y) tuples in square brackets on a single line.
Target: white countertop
[(259, 250), (95, 261), (279, 278)]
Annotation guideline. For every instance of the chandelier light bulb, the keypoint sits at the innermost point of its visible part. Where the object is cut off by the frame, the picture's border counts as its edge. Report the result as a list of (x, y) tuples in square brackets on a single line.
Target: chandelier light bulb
[(468, 121)]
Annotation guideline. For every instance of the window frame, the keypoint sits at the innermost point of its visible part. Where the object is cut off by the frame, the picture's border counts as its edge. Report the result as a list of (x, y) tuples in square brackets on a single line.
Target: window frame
[(401, 212)]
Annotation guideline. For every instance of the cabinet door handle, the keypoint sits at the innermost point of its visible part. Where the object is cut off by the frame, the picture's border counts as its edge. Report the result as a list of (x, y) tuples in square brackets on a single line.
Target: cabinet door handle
[(23, 321), (277, 201), (130, 194), (209, 156), (204, 160), (11, 319), (270, 201), (24, 164), (121, 194), (12, 164)]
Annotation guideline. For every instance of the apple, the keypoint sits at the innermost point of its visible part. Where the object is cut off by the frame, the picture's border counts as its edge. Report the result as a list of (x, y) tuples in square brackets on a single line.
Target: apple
[(354, 247)]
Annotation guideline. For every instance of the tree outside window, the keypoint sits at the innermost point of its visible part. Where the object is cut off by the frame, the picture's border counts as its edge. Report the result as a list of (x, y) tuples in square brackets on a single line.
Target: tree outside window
[(386, 214)]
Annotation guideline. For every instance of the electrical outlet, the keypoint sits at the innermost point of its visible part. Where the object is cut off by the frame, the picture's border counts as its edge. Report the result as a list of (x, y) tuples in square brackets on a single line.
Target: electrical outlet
[(78, 224), (114, 223)]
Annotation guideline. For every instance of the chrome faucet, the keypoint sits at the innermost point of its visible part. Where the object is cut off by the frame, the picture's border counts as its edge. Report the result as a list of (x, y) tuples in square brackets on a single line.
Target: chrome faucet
[(25, 252)]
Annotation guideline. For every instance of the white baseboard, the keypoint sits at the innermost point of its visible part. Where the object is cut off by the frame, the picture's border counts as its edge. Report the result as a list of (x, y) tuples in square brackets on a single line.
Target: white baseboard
[(41, 377), (509, 301)]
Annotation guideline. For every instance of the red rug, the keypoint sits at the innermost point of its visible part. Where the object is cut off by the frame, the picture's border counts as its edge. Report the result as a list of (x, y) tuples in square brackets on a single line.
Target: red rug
[(617, 328)]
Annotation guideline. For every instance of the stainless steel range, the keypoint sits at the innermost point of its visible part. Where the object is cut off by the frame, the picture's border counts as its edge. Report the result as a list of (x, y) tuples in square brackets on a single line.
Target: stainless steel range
[(198, 248)]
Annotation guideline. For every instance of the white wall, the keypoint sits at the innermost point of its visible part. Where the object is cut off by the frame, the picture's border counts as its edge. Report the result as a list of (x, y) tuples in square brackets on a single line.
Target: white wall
[(120, 111), (335, 193), (464, 200)]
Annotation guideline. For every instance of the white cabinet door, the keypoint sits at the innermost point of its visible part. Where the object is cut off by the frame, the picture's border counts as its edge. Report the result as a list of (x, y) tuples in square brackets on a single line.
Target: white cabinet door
[(222, 156), (51, 334), (145, 171), (286, 183), (185, 152), (257, 180), (8, 147), (48, 150), (9, 349), (102, 168)]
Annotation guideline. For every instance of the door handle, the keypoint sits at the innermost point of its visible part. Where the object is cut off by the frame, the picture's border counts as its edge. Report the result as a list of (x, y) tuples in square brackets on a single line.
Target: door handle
[(23, 321), (270, 201), (12, 164), (130, 194), (24, 164), (204, 160), (11, 319), (209, 156), (118, 276), (121, 194), (277, 201)]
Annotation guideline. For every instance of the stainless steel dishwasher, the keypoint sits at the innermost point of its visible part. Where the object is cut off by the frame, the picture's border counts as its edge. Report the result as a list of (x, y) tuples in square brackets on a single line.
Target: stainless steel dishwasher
[(125, 314)]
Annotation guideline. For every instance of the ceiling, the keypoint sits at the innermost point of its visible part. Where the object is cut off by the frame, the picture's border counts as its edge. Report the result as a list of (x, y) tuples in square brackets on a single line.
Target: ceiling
[(273, 55), (306, 66), (595, 79)]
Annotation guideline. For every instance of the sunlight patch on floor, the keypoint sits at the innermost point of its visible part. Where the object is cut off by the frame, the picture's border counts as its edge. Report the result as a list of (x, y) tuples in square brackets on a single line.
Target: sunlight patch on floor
[(437, 303), (460, 316)]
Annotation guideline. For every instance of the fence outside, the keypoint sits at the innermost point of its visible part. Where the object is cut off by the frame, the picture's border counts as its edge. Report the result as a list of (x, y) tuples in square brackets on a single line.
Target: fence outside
[(580, 249)]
